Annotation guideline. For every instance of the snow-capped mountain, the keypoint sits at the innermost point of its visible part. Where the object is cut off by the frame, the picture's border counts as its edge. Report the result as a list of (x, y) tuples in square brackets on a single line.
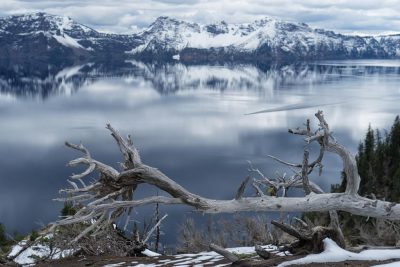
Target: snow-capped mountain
[(41, 34), (44, 35), (268, 38)]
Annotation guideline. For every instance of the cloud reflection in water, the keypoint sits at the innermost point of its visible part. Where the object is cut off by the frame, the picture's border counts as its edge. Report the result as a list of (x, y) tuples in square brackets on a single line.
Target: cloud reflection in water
[(186, 120)]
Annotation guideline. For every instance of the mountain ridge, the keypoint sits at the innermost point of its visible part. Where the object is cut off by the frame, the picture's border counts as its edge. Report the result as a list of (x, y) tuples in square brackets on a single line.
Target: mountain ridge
[(59, 37)]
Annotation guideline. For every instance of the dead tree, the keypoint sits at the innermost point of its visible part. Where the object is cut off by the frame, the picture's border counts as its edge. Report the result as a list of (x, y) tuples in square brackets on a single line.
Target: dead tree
[(112, 195)]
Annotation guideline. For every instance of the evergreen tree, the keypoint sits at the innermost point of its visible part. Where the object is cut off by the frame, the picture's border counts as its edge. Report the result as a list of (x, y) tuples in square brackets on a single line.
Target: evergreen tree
[(68, 209), (378, 162), (3, 237)]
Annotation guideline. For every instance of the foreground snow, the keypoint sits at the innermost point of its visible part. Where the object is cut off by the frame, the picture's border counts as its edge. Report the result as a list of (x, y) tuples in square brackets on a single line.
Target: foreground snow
[(209, 258), (27, 257), (334, 253)]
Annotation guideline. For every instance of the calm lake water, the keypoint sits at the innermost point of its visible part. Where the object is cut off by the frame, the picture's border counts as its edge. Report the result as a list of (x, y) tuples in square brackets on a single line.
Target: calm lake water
[(189, 121)]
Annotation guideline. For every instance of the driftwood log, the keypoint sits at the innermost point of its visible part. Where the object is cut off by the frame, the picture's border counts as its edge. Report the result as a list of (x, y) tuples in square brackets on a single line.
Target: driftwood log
[(111, 196)]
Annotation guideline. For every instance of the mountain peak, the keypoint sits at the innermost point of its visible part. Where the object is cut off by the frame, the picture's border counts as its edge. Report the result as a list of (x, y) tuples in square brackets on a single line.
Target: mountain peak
[(41, 22), (164, 18), (170, 20), (37, 16), (168, 24)]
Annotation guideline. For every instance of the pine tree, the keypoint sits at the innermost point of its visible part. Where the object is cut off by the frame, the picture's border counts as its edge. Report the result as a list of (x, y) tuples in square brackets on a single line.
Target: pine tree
[(3, 237), (68, 209), (394, 157)]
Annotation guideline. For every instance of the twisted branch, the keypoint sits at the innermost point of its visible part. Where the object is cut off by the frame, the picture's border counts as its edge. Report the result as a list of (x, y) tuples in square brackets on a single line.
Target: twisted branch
[(112, 194)]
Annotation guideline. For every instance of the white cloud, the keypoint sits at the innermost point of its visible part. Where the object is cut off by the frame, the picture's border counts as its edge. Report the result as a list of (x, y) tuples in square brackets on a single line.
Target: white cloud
[(126, 16)]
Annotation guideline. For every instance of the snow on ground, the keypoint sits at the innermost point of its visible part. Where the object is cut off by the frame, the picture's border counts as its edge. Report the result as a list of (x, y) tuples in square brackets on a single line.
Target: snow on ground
[(393, 264), (115, 264), (27, 257), (334, 253), (206, 258), (150, 253), (251, 250)]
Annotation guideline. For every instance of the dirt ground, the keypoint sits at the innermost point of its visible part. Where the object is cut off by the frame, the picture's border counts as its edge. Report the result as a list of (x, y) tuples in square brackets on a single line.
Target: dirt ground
[(164, 261)]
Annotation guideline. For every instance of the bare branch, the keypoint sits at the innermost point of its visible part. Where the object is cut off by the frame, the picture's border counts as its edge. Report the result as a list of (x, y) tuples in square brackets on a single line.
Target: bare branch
[(153, 229), (90, 228), (298, 131), (240, 191), (285, 162), (304, 173), (291, 230), (257, 188), (92, 164), (130, 153)]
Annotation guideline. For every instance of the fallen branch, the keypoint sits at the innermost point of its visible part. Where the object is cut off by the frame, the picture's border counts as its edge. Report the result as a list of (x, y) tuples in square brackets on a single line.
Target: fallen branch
[(113, 193), (227, 254)]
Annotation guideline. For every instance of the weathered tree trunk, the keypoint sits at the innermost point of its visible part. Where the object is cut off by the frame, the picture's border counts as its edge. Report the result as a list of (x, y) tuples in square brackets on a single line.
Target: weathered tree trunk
[(112, 195)]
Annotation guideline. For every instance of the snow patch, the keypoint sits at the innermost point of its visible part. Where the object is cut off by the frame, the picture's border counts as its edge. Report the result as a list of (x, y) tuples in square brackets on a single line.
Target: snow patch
[(150, 253), (250, 250), (68, 41), (393, 264), (27, 257), (114, 264), (334, 253)]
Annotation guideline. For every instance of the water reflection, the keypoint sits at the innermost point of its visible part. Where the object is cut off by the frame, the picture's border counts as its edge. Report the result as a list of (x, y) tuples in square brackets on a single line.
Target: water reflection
[(41, 80), (189, 121)]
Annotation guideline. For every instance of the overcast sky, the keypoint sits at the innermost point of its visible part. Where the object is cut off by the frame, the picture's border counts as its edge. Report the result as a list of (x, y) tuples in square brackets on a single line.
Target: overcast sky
[(127, 16)]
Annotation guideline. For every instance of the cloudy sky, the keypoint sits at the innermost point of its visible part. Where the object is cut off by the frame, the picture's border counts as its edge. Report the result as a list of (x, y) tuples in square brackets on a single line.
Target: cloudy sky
[(127, 16)]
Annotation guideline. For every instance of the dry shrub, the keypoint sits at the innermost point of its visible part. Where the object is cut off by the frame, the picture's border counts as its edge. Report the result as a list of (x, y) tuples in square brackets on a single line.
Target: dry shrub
[(236, 231), (109, 241), (379, 232)]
